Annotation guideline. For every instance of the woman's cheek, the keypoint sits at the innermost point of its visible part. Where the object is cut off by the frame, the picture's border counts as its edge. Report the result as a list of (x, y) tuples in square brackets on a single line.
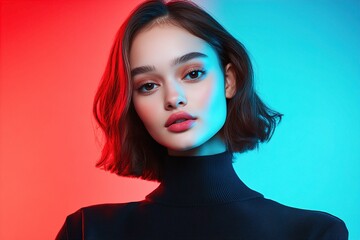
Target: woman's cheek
[(140, 109), (207, 94), (146, 109)]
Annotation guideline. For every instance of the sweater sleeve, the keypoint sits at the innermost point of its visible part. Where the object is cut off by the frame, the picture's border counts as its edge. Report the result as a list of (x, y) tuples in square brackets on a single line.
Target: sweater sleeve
[(72, 228)]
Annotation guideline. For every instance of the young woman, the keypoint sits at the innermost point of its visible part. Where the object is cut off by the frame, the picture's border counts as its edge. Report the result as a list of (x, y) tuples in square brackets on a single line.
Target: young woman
[(175, 102)]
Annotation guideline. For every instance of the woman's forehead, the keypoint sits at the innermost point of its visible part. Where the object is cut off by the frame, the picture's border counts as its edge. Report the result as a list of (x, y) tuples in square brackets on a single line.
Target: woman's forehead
[(163, 43)]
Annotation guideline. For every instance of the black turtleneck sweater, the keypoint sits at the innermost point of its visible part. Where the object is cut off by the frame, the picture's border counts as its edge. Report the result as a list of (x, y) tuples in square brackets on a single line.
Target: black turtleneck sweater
[(201, 198)]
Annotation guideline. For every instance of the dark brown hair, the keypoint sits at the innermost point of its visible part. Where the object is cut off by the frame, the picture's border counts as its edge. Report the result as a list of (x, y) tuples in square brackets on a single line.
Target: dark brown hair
[(129, 150)]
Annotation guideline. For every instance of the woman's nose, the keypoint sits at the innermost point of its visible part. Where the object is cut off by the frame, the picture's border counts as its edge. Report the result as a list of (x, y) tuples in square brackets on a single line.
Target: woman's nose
[(174, 97)]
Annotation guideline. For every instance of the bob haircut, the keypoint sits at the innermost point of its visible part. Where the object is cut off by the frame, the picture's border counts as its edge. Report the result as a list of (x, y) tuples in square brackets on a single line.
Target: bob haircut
[(129, 150)]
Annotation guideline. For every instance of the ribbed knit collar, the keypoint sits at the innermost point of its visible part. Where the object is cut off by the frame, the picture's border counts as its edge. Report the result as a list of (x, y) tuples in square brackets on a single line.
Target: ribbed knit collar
[(200, 180)]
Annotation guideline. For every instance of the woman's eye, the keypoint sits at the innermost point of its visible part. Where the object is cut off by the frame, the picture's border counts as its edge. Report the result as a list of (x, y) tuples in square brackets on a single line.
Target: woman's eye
[(194, 74), (147, 87)]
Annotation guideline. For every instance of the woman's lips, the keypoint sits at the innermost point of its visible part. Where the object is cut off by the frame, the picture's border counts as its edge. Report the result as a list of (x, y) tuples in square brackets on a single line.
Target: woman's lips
[(181, 127), (180, 122)]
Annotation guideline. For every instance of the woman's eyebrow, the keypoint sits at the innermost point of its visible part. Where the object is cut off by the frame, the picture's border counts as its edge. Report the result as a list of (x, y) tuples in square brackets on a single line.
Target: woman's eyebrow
[(187, 57), (140, 70), (176, 61)]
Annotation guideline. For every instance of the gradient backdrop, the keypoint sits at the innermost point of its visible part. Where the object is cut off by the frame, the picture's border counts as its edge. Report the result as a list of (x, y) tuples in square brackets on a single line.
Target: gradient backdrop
[(306, 56)]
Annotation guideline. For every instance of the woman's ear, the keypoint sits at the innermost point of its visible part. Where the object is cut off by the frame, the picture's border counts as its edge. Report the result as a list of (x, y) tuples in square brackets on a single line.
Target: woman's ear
[(230, 81)]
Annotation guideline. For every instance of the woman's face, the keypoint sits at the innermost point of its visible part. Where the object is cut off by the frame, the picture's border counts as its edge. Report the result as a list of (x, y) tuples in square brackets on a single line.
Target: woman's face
[(179, 90)]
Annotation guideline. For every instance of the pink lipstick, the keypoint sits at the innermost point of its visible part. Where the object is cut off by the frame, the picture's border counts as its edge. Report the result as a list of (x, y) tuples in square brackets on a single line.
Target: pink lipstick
[(180, 122)]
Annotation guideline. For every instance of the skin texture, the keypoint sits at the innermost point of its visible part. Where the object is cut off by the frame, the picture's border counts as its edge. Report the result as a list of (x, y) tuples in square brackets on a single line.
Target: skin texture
[(198, 86)]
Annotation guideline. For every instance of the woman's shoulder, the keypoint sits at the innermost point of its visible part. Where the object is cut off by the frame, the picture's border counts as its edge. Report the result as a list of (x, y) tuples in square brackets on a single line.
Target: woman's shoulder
[(108, 209), (321, 224), (102, 212), (102, 217)]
